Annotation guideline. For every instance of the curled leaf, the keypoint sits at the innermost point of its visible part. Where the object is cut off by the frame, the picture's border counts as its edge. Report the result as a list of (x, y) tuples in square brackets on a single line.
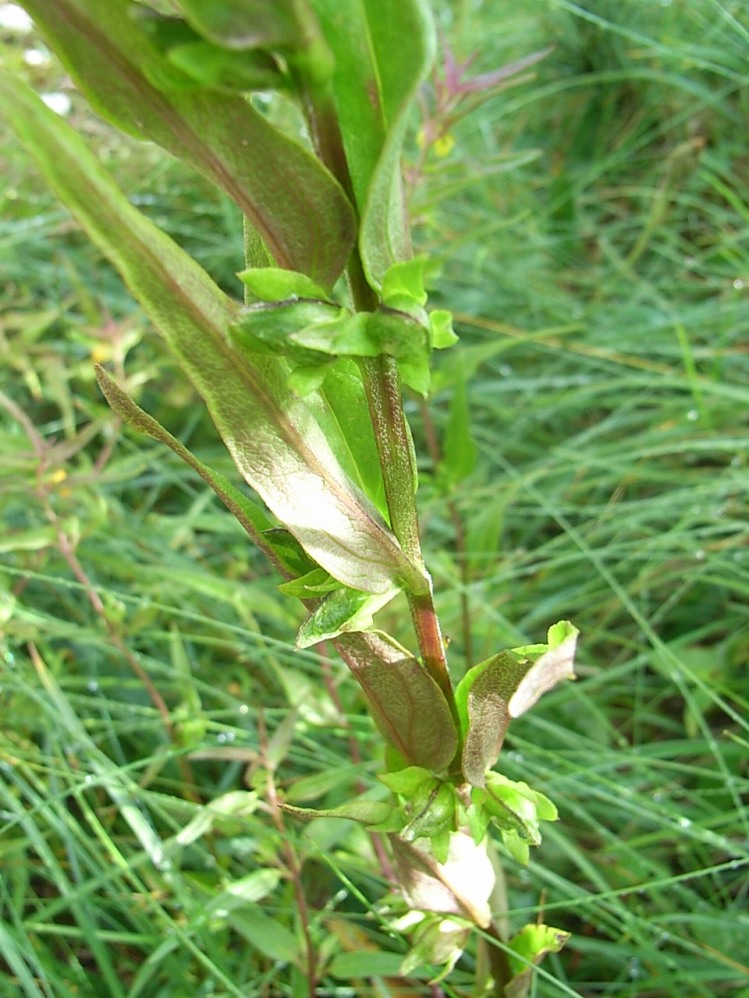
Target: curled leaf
[(482, 697), (503, 687), (551, 668), (462, 885), (526, 949)]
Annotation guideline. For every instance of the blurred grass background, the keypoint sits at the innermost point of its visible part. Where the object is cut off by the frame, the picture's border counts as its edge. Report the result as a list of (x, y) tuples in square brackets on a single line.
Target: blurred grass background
[(592, 226)]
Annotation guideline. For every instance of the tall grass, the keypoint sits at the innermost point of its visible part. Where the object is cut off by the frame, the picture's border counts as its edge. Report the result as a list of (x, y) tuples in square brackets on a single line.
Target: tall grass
[(594, 235)]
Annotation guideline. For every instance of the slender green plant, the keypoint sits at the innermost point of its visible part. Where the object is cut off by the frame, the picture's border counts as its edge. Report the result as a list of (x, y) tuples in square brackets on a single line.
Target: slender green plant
[(304, 383)]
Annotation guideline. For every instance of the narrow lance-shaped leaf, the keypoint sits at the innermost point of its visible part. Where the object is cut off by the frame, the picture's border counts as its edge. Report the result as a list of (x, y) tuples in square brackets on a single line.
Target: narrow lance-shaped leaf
[(248, 513), (295, 205), (344, 393), (273, 438), (383, 50), (384, 225), (374, 813)]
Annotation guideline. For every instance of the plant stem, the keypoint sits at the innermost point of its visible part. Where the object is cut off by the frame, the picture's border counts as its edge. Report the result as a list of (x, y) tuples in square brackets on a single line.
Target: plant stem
[(290, 858), (382, 386), (433, 447), (385, 400), (498, 962)]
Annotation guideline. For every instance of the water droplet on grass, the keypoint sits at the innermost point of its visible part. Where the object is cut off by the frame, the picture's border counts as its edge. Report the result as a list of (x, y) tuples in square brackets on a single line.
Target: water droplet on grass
[(35, 57), (58, 102), (14, 18)]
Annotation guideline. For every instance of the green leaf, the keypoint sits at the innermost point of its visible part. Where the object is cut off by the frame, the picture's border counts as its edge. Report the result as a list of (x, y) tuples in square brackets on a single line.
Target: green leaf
[(200, 63), (459, 450), (516, 810), (405, 280), (526, 949), (432, 816), (431, 807), (251, 516), (280, 742), (214, 68), (441, 333), (311, 585), (295, 205), (341, 411), (342, 611), (437, 940), (409, 781), (558, 633), (304, 330), (271, 284), (482, 697), (373, 813), (313, 332), (224, 813), (246, 891), (36, 539), (267, 935), (290, 551), (407, 704), (354, 442), (383, 50), (366, 964), (273, 437), (503, 687), (323, 782), (303, 380), (245, 24)]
